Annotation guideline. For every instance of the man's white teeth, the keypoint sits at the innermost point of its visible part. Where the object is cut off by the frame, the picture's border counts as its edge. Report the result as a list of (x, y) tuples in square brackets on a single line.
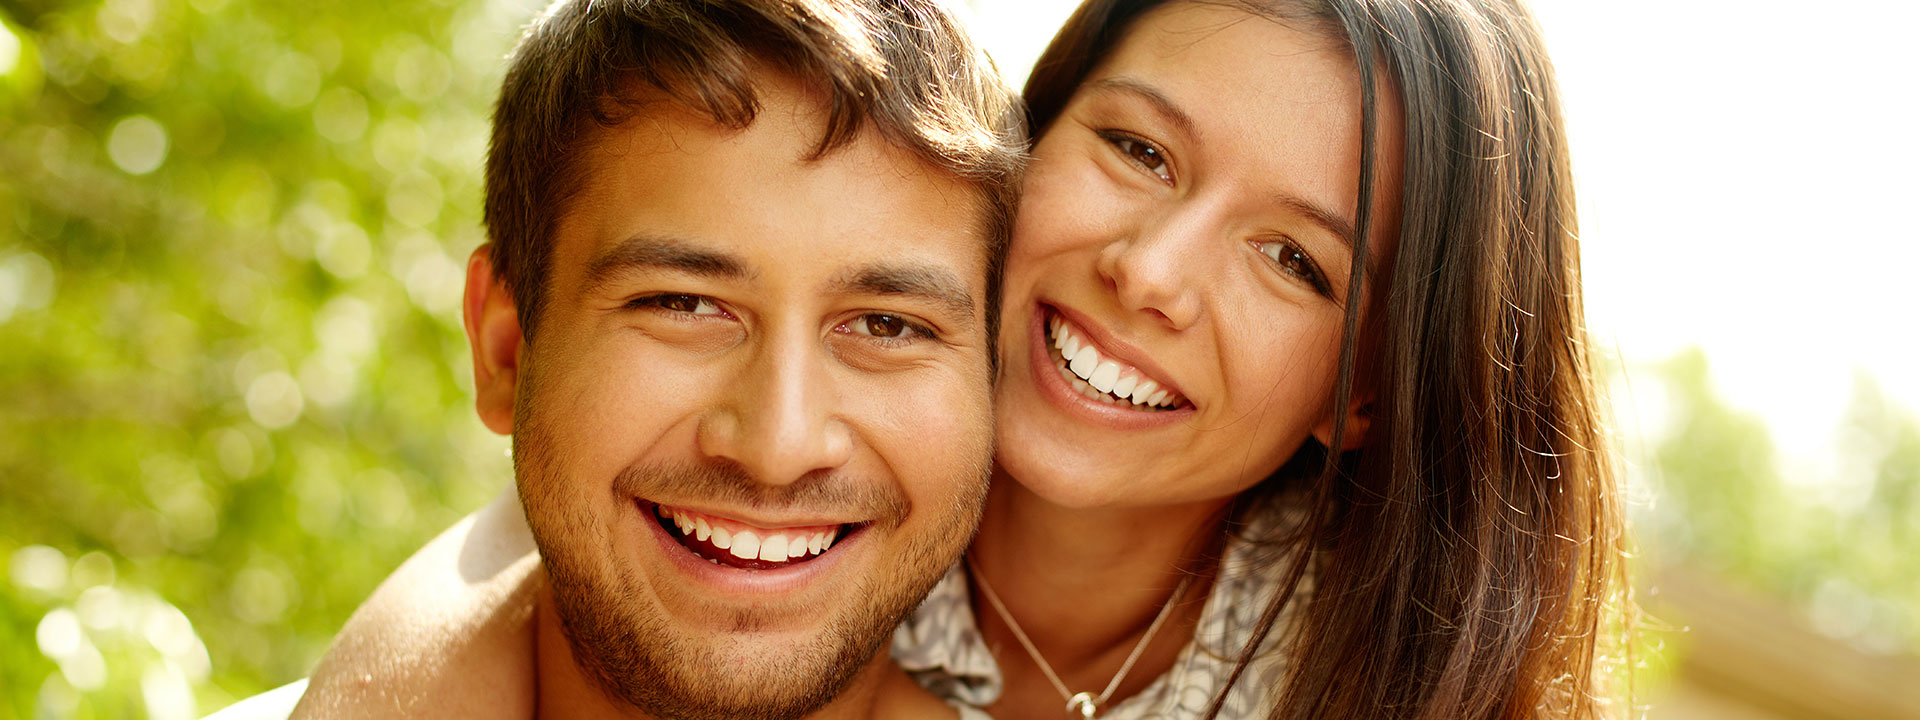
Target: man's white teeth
[(1102, 379), (749, 544)]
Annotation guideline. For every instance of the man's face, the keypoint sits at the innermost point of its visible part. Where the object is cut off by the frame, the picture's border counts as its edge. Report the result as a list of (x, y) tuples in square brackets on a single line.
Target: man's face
[(786, 358)]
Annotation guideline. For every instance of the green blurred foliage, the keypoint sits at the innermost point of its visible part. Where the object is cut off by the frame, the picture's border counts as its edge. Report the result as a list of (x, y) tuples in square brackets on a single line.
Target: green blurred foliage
[(1835, 545), (236, 393)]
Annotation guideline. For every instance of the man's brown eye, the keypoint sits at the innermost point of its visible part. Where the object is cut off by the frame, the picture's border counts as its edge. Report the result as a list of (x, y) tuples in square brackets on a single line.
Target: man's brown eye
[(894, 330), (1146, 154), (885, 326), (680, 303)]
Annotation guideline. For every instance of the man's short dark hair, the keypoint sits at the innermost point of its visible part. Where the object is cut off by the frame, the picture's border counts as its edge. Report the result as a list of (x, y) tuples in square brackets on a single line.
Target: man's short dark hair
[(906, 66)]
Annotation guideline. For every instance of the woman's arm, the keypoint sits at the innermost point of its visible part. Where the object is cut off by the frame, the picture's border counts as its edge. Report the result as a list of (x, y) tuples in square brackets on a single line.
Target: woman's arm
[(449, 634)]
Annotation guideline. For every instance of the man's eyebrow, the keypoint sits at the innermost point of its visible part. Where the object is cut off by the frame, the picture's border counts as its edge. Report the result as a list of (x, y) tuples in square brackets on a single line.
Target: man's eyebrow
[(1159, 100), (918, 281), (655, 252)]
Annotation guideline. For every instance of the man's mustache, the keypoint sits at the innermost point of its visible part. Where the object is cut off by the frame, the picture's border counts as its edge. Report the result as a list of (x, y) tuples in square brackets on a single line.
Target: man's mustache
[(822, 492)]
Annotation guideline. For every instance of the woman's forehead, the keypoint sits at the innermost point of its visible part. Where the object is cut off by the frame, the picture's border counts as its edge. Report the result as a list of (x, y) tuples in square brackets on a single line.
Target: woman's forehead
[(1268, 103)]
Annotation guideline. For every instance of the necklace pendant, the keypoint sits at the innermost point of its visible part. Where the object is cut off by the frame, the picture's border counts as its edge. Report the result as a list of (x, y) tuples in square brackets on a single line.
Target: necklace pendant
[(1084, 702)]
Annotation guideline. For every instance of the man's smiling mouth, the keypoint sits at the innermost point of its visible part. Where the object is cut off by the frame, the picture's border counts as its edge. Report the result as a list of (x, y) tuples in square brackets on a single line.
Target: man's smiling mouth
[(731, 543)]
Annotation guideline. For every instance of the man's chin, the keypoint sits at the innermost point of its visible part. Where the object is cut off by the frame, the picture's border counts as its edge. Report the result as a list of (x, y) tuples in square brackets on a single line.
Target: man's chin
[(653, 662)]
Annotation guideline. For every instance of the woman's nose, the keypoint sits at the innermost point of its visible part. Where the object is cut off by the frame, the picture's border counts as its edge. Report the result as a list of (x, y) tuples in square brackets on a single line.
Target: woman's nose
[(1151, 266)]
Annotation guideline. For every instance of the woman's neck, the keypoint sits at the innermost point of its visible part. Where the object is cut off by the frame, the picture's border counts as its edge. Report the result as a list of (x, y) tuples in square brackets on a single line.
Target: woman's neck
[(1084, 584)]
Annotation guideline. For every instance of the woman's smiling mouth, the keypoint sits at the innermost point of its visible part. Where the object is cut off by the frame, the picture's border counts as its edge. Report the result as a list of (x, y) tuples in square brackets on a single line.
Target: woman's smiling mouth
[(1099, 376), (1086, 372)]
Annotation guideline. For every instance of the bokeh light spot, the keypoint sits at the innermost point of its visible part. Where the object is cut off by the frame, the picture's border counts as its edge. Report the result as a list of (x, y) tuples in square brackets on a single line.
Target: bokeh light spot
[(415, 199), (59, 635), (168, 694), (137, 144), (39, 568), (340, 115), (274, 400), (26, 283), (9, 50), (292, 80)]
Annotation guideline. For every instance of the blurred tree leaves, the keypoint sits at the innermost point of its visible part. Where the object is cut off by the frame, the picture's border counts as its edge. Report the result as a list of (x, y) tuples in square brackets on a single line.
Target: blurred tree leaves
[(1835, 545), (235, 392), (232, 238)]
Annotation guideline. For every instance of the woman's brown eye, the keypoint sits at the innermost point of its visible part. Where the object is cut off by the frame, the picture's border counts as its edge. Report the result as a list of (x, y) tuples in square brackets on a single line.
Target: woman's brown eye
[(1294, 261), (1141, 152), (680, 303)]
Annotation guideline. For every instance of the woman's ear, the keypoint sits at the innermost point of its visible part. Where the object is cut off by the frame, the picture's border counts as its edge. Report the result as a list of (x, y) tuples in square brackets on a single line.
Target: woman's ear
[(493, 331), (1359, 416)]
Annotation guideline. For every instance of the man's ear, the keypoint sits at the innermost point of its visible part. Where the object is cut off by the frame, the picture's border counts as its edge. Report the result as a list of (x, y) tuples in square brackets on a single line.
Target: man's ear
[(1359, 416), (493, 330)]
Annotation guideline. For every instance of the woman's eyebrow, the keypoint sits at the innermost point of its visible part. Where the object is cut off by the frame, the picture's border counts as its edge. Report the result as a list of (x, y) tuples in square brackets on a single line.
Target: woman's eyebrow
[(1161, 104), (1339, 227)]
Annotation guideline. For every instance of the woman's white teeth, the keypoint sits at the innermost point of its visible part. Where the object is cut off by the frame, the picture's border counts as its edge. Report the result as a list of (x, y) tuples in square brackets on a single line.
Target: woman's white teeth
[(1085, 361), (1105, 376), (1144, 392), (1102, 379)]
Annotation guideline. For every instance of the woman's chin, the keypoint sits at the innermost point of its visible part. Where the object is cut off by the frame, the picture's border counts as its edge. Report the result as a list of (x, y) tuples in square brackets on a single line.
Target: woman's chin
[(1047, 461)]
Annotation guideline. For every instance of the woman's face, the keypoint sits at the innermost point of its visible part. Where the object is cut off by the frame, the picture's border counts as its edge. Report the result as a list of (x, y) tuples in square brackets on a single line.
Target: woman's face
[(1185, 233)]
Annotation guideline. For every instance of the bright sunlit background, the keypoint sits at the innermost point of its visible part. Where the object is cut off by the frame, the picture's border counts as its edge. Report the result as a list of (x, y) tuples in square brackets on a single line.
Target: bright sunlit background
[(235, 394)]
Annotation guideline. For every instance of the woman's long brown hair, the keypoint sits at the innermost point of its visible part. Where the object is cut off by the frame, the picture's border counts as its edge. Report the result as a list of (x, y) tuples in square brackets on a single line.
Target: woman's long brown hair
[(1467, 559)]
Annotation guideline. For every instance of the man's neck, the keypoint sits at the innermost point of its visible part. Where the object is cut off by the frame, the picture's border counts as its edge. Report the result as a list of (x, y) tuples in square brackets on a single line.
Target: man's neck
[(565, 691)]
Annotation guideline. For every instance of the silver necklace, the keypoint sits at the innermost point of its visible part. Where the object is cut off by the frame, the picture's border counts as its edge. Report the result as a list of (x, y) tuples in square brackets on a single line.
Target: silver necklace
[(1086, 703)]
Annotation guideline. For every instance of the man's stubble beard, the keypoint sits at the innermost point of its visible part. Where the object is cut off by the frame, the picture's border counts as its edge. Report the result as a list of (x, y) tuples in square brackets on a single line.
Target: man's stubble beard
[(635, 655)]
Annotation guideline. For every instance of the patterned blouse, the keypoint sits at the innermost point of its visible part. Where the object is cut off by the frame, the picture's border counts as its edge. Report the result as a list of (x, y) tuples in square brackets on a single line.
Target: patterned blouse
[(942, 648)]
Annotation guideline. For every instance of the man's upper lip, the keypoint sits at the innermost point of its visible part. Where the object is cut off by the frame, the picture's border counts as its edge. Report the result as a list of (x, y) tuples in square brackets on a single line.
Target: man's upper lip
[(762, 521), (1112, 346)]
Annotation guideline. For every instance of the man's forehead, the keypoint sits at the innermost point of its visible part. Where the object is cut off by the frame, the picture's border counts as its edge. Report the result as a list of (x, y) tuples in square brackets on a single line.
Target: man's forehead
[(674, 190)]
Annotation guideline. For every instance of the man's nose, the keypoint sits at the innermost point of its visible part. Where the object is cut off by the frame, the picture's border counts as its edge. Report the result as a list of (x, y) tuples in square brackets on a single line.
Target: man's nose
[(779, 418)]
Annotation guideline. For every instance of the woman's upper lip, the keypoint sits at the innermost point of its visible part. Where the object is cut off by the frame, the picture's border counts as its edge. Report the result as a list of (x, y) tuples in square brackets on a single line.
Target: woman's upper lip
[(1112, 346)]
